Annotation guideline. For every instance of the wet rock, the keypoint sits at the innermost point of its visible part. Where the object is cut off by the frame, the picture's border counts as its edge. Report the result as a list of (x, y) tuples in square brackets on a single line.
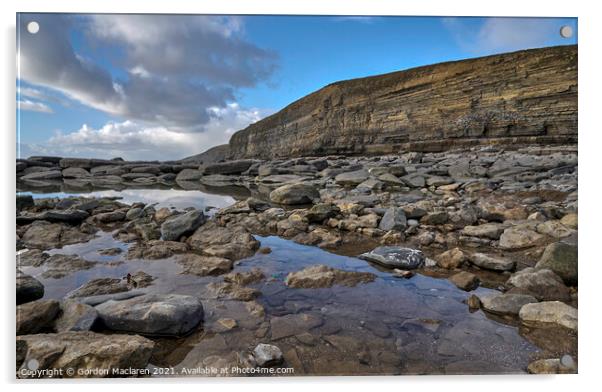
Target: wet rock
[(395, 257), (109, 217), (492, 263), (473, 302), (293, 324), (550, 313), (227, 323), (99, 286), (75, 316), (267, 355), (487, 230), (230, 243), (37, 316), (86, 350), (506, 304), (134, 213), (28, 288), (204, 265), (321, 211), (562, 259), (451, 259), (233, 291), (393, 219), (60, 265), (245, 278), (352, 178), (292, 194), (519, 238), (75, 172), (153, 314), (43, 235), (543, 284), (139, 279), (173, 228), (71, 216), (162, 214), (189, 175), (43, 175), (319, 276), (465, 281)]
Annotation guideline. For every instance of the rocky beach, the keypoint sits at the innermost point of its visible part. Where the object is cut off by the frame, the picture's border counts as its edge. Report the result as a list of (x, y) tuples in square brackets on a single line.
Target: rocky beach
[(462, 261), (418, 222)]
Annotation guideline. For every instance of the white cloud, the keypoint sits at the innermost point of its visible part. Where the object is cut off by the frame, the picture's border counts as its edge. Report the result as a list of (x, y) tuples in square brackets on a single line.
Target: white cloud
[(26, 104), (136, 141), (497, 35), (178, 66)]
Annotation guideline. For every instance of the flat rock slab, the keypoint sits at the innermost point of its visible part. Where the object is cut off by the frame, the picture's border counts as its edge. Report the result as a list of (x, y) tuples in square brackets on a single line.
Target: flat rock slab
[(320, 276), (85, 350), (153, 314), (550, 313), (492, 263), (395, 257), (506, 304)]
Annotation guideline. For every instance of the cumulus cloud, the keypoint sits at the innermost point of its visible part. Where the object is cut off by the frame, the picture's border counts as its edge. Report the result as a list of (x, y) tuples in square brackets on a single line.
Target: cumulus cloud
[(177, 67), (137, 141), (26, 104), (502, 34)]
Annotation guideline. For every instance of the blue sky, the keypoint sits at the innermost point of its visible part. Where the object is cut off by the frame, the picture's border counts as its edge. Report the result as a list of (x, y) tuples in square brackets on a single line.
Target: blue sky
[(165, 87)]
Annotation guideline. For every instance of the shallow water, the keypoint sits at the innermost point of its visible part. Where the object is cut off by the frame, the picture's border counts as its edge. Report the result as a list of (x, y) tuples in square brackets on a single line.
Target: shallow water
[(389, 326)]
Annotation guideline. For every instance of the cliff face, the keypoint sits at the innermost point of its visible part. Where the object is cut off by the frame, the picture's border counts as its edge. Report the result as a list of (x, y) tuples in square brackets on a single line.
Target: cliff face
[(514, 98)]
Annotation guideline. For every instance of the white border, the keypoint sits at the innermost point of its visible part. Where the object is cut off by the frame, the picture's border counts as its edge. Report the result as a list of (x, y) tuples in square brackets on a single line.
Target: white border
[(589, 150)]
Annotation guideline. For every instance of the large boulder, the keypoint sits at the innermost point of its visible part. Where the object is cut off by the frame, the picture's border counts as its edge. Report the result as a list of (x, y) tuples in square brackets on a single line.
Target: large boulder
[(543, 284), (204, 265), (153, 314), (189, 175), (174, 228), (28, 288), (75, 316), (292, 194), (319, 276), (551, 313), (561, 258), (519, 238), (86, 353), (395, 257), (37, 316)]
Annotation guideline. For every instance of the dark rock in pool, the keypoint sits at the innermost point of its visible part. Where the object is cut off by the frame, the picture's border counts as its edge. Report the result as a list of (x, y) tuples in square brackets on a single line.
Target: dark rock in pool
[(395, 257), (173, 228), (24, 201), (28, 288), (153, 314)]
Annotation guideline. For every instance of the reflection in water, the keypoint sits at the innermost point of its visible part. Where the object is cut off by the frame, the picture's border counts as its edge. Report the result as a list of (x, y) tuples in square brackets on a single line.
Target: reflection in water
[(163, 197)]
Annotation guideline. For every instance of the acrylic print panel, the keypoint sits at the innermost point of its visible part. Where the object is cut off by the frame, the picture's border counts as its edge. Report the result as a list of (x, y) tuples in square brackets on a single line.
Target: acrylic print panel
[(295, 195)]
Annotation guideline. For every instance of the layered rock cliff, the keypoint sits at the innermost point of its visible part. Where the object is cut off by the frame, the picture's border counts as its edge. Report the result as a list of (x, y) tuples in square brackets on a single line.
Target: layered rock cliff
[(523, 97)]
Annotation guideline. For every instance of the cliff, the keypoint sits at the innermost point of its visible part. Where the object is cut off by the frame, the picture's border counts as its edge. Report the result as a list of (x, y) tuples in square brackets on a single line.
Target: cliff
[(523, 97)]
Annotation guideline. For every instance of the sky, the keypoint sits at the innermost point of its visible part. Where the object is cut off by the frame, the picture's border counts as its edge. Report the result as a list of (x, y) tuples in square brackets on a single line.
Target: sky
[(164, 87)]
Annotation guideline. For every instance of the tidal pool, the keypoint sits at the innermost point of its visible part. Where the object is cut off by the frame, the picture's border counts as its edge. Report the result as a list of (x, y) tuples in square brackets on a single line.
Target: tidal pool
[(389, 326)]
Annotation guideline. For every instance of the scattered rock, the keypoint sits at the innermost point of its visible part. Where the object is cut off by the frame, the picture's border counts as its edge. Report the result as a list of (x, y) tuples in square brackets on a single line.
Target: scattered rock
[(506, 304), (543, 284), (393, 219), (492, 263), (519, 238), (75, 316), (37, 316), (465, 281), (292, 194), (173, 228), (267, 355), (28, 288), (561, 258), (244, 278), (487, 230), (451, 259), (551, 313), (204, 265)]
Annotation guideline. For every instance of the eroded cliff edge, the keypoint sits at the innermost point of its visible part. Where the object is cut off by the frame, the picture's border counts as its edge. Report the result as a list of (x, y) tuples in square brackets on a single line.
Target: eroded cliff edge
[(523, 97)]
